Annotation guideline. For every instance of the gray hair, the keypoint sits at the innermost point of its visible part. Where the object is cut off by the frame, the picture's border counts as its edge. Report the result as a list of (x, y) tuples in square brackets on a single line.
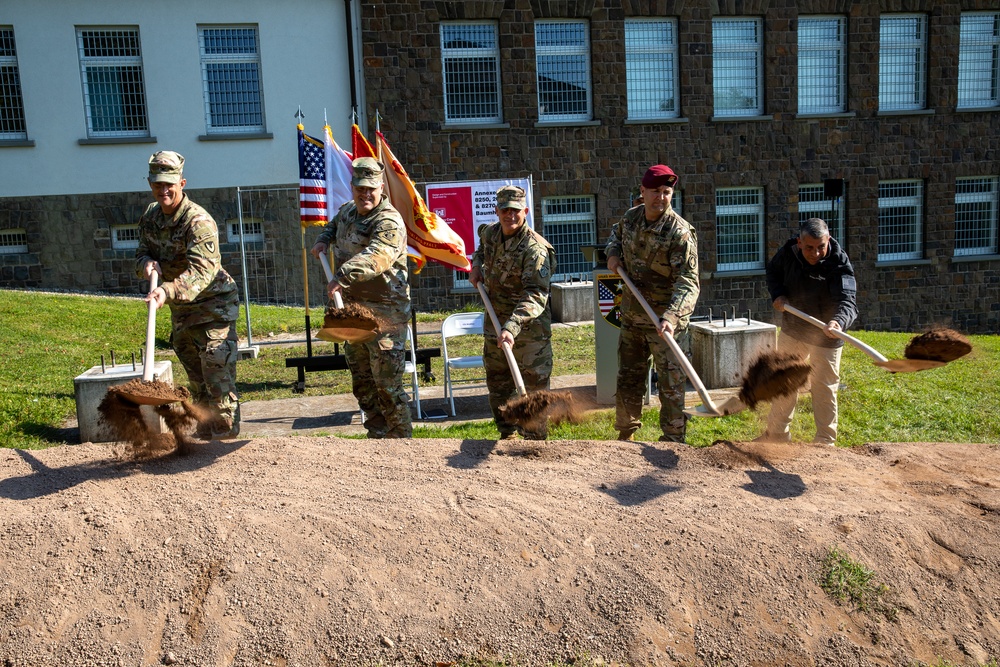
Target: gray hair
[(814, 227)]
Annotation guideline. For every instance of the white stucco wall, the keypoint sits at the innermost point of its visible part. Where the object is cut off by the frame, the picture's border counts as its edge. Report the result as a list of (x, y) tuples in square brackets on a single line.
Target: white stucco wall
[(303, 52)]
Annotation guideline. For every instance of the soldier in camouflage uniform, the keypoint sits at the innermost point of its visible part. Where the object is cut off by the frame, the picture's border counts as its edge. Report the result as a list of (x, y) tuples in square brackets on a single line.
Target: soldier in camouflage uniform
[(180, 241), (369, 250), (516, 264), (658, 250)]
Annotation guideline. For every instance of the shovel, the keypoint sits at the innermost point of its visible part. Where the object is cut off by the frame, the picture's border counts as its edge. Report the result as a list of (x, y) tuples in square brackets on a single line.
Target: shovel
[(891, 365), (709, 409), (514, 370), (349, 329)]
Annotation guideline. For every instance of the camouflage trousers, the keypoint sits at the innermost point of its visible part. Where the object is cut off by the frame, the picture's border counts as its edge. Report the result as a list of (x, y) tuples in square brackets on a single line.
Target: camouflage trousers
[(635, 344), (534, 360), (208, 353), (377, 382)]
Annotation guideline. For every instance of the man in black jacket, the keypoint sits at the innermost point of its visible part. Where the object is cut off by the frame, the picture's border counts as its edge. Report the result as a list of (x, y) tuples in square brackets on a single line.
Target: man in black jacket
[(812, 273)]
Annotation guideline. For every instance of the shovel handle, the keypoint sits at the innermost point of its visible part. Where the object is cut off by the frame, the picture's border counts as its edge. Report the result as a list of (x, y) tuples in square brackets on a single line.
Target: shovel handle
[(674, 347), (148, 363), (509, 353), (867, 349), (338, 300)]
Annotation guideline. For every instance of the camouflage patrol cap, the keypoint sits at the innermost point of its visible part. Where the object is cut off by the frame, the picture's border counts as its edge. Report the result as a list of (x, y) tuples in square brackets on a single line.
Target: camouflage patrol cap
[(511, 196), (166, 167), (367, 172)]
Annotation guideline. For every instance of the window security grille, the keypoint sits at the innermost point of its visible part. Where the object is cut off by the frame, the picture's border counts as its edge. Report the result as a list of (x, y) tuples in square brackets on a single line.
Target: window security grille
[(822, 64), (976, 211), (470, 59), (737, 63), (113, 89), (562, 65), (739, 219), (230, 70), (11, 103), (900, 220), (902, 63), (651, 79), (978, 55), (13, 241), (125, 237), (253, 231), (814, 204), (568, 223)]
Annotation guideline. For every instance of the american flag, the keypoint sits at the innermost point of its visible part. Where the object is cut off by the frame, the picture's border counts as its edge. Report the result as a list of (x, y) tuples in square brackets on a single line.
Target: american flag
[(606, 295), (312, 180)]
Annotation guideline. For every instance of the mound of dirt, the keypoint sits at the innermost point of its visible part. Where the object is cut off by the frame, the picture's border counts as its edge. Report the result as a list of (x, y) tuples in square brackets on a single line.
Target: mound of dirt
[(352, 316), (540, 406), (938, 345), (327, 551)]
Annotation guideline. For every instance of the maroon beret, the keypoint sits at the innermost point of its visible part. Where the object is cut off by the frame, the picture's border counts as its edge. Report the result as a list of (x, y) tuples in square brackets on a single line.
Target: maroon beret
[(657, 175)]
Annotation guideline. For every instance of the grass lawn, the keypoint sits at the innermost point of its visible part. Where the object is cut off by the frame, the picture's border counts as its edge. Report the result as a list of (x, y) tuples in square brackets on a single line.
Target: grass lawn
[(48, 339)]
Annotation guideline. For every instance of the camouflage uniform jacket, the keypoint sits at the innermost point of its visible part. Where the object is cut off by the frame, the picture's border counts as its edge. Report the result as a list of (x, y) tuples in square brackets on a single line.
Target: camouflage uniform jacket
[(516, 273), (661, 258), (370, 255), (186, 245)]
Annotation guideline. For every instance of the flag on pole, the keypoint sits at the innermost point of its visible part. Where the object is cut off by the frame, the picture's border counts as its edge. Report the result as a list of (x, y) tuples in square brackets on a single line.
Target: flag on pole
[(359, 145), (338, 174), (312, 180)]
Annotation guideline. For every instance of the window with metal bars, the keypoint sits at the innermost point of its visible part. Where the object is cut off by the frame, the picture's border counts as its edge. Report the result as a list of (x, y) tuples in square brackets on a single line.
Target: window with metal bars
[(125, 237), (470, 60), (568, 223), (13, 241), (814, 204), (902, 62), (114, 92), (231, 79), (253, 230), (739, 221), (562, 67), (976, 212), (900, 220), (11, 102), (737, 66), (978, 56), (651, 78), (822, 64)]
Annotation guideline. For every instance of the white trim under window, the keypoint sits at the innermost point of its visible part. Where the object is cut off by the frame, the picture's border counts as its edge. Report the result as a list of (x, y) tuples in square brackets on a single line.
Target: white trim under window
[(977, 209), (902, 62), (562, 68), (651, 69), (568, 223), (125, 237), (900, 220), (822, 64), (738, 66), (470, 66), (12, 125), (231, 79), (813, 203), (978, 55), (739, 224), (114, 93), (13, 241)]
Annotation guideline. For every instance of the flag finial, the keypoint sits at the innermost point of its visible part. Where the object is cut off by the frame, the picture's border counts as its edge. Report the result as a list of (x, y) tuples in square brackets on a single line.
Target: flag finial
[(298, 114)]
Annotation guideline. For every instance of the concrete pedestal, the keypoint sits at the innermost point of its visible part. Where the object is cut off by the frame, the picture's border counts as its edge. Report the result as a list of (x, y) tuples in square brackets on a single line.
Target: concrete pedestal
[(92, 386), (722, 351), (571, 302)]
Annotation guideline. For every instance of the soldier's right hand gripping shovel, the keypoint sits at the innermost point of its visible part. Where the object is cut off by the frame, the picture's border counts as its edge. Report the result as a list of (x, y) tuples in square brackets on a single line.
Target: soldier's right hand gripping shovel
[(709, 409)]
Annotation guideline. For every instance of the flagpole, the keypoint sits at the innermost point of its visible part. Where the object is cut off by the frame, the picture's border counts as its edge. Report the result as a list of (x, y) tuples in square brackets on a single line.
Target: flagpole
[(305, 264)]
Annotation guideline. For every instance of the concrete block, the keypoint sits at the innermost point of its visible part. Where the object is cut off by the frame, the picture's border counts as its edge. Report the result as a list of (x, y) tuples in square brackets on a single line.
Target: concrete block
[(722, 352), (572, 302), (91, 387)]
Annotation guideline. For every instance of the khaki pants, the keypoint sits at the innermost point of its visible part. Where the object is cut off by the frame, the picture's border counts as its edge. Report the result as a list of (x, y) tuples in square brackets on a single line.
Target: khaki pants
[(824, 380)]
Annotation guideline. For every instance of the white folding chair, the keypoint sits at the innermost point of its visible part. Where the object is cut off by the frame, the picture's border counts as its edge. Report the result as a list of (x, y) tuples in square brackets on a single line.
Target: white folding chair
[(459, 324), (410, 366)]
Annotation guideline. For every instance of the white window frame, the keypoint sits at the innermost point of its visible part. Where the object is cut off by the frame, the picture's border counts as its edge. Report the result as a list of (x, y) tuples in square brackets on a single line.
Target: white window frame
[(12, 122), (13, 241), (568, 223), (233, 105), (114, 89), (900, 214), (569, 59), (979, 60), (481, 60), (982, 192), (902, 62), (822, 64), (742, 218), (125, 237), (253, 230), (814, 204), (652, 73), (738, 68)]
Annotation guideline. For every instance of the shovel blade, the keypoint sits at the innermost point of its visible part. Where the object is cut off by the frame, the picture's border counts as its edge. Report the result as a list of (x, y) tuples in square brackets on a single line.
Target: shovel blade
[(908, 365), (140, 399), (346, 335), (730, 406)]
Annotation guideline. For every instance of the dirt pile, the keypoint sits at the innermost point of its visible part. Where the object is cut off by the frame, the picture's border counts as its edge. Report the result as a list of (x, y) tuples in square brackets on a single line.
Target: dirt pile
[(352, 316), (938, 345), (536, 408), (125, 418), (773, 373)]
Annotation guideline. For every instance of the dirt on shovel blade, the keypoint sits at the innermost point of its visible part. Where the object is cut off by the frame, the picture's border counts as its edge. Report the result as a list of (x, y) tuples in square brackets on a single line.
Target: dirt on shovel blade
[(539, 406), (124, 419), (352, 316), (773, 374), (938, 345)]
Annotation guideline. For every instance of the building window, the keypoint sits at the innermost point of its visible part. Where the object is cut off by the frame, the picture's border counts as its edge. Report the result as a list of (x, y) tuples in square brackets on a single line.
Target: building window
[(470, 59), (822, 64), (125, 237), (113, 90), (562, 65), (651, 79), (976, 213), (739, 219), (13, 241), (978, 53), (814, 204), (230, 73), (737, 65), (568, 223), (902, 63), (900, 220), (253, 230), (11, 103)]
